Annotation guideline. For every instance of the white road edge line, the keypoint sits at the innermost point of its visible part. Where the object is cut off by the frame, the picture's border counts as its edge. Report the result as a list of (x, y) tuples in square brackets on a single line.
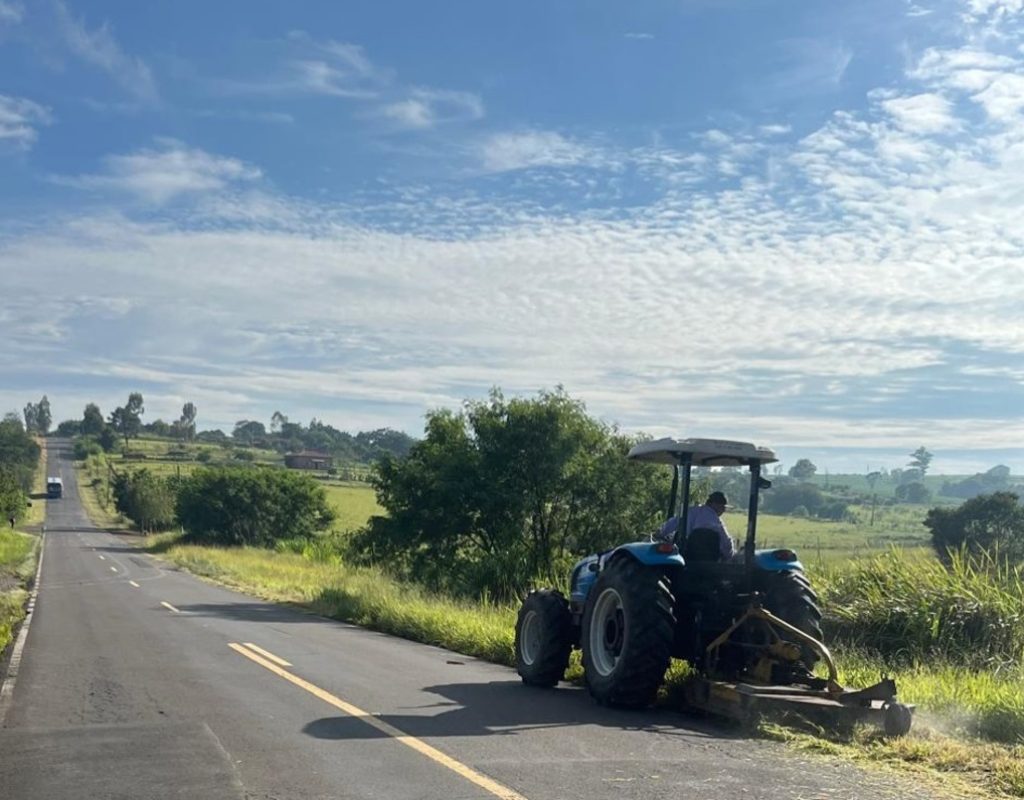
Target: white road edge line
[(103, 558), (113, 569), (167, 605), (7, 690), (133, 583)]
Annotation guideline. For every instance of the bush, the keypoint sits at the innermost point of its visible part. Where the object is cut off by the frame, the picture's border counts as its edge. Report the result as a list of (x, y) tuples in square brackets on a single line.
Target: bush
[(236, 506), (785, 499), (13, 500), (204, 456), (145, 499), (244, 455), (986, 524), (19, 453), (913, 493), (85, 447)]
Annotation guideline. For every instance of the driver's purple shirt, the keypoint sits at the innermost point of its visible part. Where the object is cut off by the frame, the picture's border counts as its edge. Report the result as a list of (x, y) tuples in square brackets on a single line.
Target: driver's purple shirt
[(703, 517)]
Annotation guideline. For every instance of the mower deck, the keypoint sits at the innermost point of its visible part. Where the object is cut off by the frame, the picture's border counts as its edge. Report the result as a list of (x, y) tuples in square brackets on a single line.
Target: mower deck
[(749, 703)]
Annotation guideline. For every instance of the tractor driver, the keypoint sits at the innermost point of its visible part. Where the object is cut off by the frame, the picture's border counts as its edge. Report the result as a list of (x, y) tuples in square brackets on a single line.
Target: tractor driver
[(708, 515)]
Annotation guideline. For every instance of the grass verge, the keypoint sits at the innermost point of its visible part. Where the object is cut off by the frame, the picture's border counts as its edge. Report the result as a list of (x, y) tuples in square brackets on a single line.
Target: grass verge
[(17, 566)]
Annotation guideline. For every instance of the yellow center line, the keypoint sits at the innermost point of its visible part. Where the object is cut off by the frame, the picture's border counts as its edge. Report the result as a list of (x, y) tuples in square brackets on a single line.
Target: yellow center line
[(167, 605), (133, 583), (464, 771), (267, 654)]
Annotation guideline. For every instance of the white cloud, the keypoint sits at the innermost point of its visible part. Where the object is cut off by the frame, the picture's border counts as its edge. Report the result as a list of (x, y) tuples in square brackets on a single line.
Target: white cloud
[(11, 13), (995, 8), (160, 175), (426, 108), (99, 48), (504, 152), (19, 119), (639, 36), (924, 113)]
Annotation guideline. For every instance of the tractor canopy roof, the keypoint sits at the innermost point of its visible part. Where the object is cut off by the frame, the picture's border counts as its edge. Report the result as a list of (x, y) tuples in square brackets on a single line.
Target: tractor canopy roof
[(703, 452)]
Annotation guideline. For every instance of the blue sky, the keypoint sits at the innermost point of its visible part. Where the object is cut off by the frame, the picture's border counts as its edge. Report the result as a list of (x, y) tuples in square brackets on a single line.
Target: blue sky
[(790, 222)]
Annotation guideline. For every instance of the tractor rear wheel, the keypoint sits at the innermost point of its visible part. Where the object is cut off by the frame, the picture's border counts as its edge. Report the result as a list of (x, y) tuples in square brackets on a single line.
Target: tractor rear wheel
[(789, 596), (628, 627), (543, 638)]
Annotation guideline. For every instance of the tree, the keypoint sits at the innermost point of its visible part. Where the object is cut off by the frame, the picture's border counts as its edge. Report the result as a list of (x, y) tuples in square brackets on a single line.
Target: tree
[(803, 470), (913, 493), (19, 453), (92, 420), (13, 499), (277, 420), (126, 419), (43, 416), (508, 491), (31, 413), (135, 405), (248, 431), (246, 506), (786, 498), (125, 423), (187, 421), (920, 459), (987, 524), (69, 427)]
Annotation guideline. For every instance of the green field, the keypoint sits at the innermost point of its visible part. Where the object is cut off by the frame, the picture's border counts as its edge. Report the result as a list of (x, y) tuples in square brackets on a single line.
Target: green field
[(354, 503), (821, 541)]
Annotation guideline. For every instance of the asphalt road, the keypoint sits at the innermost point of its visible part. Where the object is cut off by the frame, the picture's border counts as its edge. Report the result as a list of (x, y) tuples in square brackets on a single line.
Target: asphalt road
[(139, 681)]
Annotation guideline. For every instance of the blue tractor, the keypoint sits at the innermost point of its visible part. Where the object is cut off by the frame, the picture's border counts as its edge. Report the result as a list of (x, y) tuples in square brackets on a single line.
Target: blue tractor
[(750, 625)]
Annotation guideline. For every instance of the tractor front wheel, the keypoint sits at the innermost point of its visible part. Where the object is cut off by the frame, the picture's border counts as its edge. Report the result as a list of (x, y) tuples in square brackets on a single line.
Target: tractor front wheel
[(628, 625), (543, 638)]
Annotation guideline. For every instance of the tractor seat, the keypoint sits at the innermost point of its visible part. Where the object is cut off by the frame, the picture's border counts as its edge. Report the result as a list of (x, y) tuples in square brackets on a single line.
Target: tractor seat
[(702, 546)]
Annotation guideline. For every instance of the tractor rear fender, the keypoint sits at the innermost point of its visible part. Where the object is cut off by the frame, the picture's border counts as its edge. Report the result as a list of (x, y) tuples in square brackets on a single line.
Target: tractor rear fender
[(651, 554), (777, 561)]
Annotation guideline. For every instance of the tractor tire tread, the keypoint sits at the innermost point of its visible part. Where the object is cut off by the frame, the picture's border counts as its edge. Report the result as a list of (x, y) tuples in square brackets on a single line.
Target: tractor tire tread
[(548, 668)]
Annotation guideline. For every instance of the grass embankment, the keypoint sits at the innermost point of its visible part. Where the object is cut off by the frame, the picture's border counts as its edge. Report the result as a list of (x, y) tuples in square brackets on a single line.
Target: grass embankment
[(362, 596), (18, 552)]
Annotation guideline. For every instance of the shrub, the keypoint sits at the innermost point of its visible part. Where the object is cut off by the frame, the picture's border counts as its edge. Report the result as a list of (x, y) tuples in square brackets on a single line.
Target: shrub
[(984, 524), (85, 447), (204, 456), (913, 493), (145, 499), (12, 499), (785, 499), (235, 506)]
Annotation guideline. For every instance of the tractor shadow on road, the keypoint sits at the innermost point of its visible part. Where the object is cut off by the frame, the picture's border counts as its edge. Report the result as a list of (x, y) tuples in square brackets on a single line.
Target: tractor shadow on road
[(507, 708)]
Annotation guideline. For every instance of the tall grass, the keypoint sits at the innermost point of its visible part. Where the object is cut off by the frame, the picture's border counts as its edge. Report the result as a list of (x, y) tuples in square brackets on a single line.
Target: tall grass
[(910, 610), (360, 595)]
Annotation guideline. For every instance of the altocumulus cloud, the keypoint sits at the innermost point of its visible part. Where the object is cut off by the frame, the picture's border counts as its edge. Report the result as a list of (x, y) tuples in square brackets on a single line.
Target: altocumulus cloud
[(855, 285)]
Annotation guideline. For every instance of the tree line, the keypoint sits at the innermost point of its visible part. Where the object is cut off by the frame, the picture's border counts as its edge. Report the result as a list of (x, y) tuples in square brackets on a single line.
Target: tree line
[(19, 458), (283, 435)]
